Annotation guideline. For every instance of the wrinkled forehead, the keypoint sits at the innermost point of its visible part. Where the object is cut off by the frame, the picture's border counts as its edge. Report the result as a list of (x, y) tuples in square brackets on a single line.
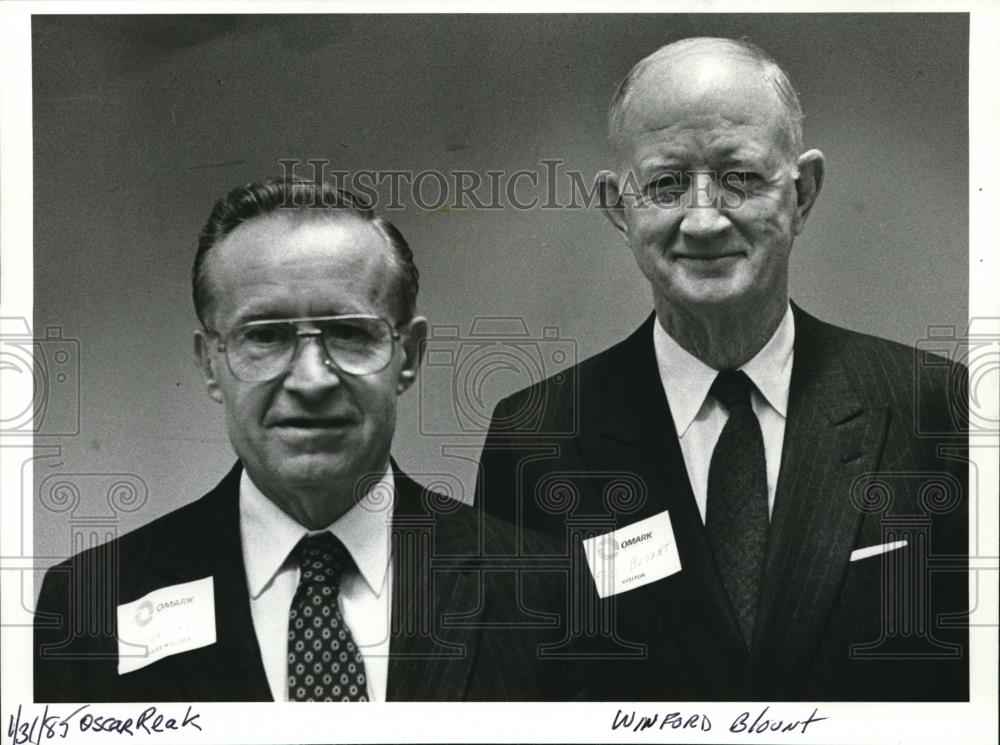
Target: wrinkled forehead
[(277, 253), (301, 238), (709, 84)]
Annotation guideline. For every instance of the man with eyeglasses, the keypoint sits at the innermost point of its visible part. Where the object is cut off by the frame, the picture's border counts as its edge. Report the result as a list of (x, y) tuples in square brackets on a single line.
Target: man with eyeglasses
[(316, 570)]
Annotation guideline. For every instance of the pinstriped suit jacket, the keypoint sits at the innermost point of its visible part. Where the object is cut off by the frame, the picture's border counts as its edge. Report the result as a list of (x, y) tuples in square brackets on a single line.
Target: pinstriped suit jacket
[(873, 453), (468, 616)]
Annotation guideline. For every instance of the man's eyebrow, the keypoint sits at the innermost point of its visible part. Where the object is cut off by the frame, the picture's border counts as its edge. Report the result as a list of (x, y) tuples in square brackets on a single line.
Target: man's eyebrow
[(735, 153), (261, 316), (723, 154), (664, 164), (744, 164), (741, 152), (277, 313), (262, 313), (661, 163)]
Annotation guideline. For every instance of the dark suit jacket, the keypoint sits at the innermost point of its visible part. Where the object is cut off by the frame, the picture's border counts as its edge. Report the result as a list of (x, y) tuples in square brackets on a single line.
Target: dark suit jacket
[(873, 453), (468, 615)]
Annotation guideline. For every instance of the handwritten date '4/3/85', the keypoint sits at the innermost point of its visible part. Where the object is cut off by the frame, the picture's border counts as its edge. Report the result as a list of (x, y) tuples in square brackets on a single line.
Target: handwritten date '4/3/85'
[(25, 729), (745, 721)]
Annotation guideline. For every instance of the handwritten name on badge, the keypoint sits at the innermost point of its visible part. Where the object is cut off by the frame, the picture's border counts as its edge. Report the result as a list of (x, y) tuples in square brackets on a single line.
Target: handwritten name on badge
[(633, 556), (167, 621)]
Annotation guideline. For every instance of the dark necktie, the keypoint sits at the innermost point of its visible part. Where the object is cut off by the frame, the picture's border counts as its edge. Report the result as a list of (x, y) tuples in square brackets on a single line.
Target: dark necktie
[(736, 514), (324, 663)]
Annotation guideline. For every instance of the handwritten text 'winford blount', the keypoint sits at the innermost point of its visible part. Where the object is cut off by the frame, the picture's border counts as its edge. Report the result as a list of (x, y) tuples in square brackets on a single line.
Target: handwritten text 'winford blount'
[(761, 724), (24, 729)]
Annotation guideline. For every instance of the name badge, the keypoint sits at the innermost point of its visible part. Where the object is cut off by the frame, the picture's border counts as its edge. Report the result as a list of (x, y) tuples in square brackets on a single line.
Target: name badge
[(167, 621), (633, 556)]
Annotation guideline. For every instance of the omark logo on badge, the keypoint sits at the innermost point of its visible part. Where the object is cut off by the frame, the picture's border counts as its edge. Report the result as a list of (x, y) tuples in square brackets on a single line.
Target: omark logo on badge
[(608, 548), (144, 613)]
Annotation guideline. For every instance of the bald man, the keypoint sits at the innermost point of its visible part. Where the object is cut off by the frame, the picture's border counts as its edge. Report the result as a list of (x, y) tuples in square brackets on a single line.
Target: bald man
[(773, 507)]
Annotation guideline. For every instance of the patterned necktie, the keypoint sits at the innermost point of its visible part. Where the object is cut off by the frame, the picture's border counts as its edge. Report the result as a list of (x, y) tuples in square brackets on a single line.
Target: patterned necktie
[(324, 663), (736, 514)]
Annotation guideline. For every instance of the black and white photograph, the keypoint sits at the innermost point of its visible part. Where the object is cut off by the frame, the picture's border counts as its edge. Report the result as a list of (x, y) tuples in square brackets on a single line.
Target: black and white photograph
[(594, 376)]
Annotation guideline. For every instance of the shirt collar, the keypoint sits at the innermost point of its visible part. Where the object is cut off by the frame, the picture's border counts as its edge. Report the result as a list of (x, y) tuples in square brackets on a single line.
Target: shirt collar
[(686, 379), (269, 534), (771, 368)]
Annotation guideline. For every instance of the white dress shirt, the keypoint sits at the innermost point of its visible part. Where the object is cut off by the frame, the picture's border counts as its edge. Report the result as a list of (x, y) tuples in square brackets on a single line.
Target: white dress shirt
[(268, 536), (699, 418)]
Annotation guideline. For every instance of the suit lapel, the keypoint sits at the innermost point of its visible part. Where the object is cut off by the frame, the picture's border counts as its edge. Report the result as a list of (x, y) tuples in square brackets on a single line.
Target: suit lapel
[(831, 437), (435, 610), (231, 669), (634, 432)]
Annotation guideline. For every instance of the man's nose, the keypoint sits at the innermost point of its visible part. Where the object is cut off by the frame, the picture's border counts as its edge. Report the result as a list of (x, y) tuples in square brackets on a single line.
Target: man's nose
[(310, 369), (703, 217)]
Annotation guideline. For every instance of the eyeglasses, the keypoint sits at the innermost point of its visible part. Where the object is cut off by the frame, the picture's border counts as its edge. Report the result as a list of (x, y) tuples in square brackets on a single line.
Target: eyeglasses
[(259, 351)]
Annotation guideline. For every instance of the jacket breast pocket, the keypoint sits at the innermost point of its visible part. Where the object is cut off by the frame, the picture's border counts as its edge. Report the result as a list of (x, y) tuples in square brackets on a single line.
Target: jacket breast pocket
[(886, 568)]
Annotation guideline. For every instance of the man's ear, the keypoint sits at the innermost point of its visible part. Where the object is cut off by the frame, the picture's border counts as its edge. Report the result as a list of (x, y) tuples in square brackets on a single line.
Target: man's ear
[(206, 364), (413, 339), (609, 189), (807, 185)]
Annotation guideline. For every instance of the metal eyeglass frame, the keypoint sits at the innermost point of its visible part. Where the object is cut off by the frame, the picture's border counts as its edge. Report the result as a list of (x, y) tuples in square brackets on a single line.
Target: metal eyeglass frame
[(222, 344)]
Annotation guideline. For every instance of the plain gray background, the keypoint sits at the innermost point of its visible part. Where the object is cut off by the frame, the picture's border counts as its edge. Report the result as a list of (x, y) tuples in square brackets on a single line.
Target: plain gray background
[(141, 123)]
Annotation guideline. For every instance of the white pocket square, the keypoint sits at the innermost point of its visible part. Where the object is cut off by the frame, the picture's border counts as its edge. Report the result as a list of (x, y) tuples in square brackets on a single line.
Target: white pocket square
[(864, 553)]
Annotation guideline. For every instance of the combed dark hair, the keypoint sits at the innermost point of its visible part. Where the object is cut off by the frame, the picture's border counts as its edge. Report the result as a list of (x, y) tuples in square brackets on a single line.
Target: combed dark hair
[(257, 199), (774, 73)]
